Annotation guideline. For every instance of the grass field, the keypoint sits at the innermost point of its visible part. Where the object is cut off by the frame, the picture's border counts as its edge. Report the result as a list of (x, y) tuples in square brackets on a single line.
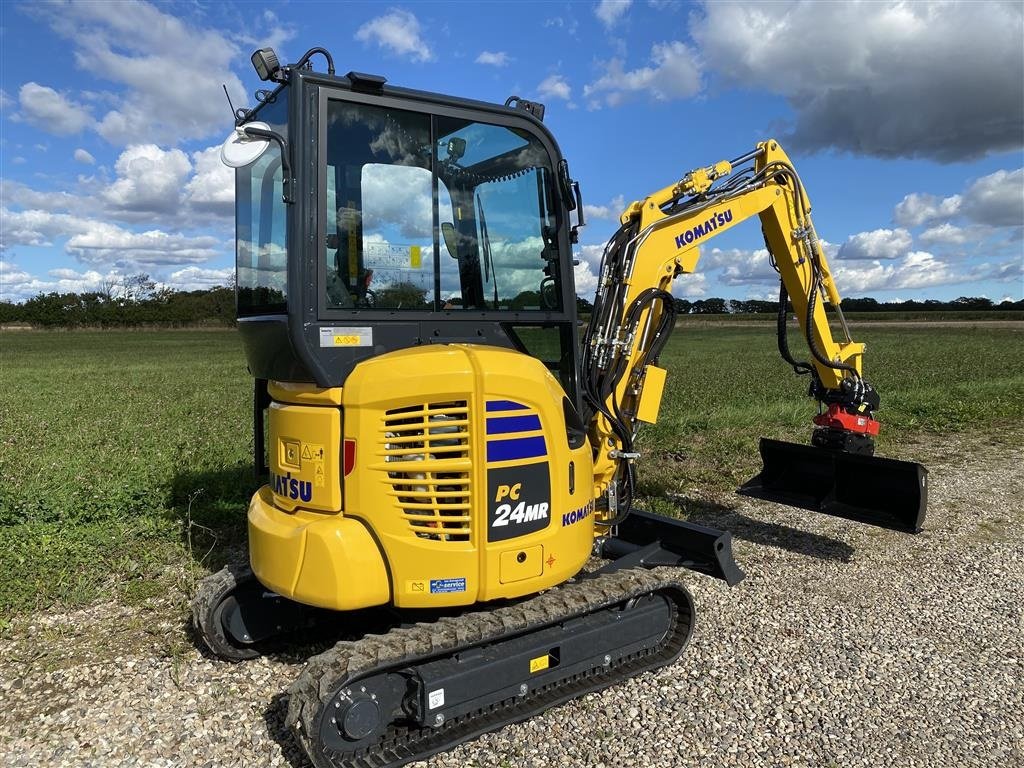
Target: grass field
[(126, 456)]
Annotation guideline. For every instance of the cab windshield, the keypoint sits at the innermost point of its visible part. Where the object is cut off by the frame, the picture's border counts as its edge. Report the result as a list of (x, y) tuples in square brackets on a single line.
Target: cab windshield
[(434, 213)]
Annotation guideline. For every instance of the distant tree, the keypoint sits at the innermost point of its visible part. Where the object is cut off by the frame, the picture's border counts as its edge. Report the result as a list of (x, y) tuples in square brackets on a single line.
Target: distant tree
[(401, 296), (712, 306), (972, 302), (525, 300), (137, 287)]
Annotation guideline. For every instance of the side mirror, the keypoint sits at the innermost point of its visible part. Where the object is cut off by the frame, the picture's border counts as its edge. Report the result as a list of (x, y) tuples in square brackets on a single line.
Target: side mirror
[(241, 148), (451, 238)]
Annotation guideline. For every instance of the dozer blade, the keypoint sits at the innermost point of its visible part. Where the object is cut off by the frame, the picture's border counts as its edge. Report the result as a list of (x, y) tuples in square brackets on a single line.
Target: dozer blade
[(883, 492), (651, 540)]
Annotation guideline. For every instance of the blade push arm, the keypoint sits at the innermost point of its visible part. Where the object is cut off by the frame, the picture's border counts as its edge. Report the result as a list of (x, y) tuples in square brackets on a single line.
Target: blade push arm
[(633, 313)]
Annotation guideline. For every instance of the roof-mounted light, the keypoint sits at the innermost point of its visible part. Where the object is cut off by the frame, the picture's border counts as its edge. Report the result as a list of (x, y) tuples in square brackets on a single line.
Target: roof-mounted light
[(265, 62)]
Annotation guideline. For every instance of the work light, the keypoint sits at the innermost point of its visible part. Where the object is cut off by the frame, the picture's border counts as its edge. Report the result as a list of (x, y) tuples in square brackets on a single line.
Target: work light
[(265, 62)]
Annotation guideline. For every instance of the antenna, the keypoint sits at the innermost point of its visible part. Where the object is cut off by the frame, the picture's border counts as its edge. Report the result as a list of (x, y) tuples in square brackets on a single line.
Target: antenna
[(228, 97), (236, 114)]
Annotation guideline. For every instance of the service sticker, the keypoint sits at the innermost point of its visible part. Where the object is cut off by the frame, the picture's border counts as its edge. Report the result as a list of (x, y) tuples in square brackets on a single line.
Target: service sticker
[(447, 585)]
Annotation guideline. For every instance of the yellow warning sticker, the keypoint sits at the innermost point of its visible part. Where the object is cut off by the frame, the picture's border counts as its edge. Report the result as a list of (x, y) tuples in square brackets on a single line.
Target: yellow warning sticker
[(417, 586), (415, 256), (540, 663), (348, 340)]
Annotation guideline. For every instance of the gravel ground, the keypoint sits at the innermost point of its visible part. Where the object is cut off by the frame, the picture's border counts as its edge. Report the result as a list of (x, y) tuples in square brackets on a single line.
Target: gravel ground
[(844, 646)]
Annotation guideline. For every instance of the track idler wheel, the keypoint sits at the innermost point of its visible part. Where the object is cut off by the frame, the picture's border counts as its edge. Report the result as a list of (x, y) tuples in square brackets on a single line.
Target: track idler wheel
[(216, 593)]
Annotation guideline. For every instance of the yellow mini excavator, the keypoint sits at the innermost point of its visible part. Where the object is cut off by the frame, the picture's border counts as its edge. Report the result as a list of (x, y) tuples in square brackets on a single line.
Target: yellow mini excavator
[(445, 449)]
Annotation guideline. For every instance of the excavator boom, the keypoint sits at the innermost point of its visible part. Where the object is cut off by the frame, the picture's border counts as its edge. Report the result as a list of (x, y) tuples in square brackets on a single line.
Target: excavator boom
[(658, 241)]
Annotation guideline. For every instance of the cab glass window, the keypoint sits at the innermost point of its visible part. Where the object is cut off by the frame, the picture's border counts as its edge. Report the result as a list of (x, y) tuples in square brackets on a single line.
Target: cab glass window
[(502, 225), (379, 245), (260, 234), (434, 213)]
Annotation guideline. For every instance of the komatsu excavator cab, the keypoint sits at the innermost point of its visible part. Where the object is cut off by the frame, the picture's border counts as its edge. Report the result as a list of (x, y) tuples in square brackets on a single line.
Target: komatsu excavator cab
[(402, 220)]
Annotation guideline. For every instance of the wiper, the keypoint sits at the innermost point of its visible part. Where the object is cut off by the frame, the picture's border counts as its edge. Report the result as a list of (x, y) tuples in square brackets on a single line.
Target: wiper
[(488, 260)]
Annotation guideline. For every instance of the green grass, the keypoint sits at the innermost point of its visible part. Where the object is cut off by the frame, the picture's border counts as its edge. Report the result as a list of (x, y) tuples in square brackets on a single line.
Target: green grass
[(123, 453), (105, 438)]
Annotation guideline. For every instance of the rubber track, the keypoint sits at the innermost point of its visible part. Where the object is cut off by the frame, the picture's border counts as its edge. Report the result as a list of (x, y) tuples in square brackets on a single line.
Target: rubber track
[(347, 662)]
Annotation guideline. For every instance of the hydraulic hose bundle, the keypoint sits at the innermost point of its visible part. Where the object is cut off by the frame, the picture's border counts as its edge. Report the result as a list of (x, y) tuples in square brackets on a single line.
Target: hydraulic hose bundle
[(609, 357)]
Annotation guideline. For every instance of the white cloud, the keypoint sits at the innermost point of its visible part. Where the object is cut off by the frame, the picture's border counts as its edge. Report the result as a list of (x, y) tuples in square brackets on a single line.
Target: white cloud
[(82, 156), (991, 202), (269, 32), (172, 71), (585, 279), (398, 195), (918, 269), (692, 286), (996, 199), (52, 112), (198, 279), (37, 227), (674, 73), (494, 58), (738, 266), (609, 212), (944, 234), (399, 32), (609, 12), (18, 285), (554, 87), (891, 79), (149, 180), (586, 272), (102, 243), (916, 209), (212, 188), (876, 244), (106, 243)]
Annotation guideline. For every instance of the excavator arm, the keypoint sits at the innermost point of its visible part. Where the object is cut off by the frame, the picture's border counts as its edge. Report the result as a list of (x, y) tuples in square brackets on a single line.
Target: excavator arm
[(634, 313)]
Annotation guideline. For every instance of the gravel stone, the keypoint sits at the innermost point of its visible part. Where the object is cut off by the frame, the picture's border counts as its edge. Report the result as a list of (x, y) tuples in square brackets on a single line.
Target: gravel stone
[(844, 646)]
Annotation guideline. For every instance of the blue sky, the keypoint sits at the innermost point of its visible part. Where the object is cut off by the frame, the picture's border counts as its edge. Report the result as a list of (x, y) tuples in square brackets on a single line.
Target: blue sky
[(905, 121)]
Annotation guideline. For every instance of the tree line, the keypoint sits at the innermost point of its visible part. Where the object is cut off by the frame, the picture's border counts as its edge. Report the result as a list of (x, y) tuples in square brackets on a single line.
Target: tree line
[(131, 301), (136, 300), (718, 306)]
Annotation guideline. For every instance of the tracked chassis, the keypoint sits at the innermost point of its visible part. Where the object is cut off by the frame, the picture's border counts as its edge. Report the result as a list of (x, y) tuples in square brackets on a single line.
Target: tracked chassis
[(386, 700)]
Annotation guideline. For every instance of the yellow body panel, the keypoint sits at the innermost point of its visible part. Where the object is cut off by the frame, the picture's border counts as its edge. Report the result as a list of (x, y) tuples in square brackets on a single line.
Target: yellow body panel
[(329, 561), (303, 394), (464, 486), (305, 451), (649, 404), (442, 393), (521, 563)]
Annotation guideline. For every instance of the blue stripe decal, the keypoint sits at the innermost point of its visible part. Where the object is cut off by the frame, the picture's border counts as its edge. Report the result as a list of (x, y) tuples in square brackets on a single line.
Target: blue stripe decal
[(503, 426), (519, 448), (504, 405)]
